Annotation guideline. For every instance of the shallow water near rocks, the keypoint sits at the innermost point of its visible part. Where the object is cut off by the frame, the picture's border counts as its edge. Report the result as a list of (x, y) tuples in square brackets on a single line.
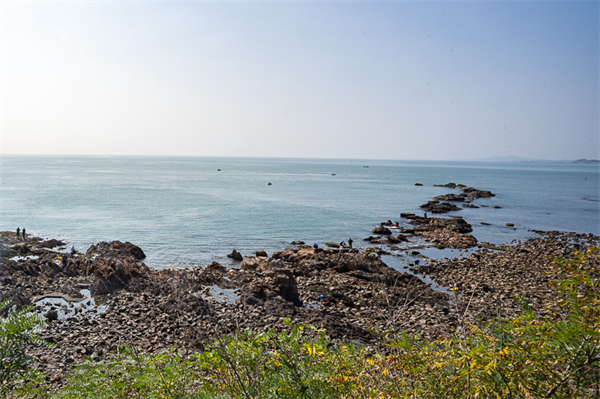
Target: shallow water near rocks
[(446, 253), (402, 265), (221, 295), (86, 306), (29, 257)]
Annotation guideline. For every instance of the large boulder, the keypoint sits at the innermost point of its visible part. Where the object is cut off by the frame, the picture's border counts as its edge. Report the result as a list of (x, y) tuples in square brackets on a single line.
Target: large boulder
[(381, 230), (116, 249), (235, 255)]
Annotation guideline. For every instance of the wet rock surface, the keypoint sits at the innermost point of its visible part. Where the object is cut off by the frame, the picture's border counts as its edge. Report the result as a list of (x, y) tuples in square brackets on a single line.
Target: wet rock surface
[(443, 207), (381, 230), (468, 194), (442, 232)]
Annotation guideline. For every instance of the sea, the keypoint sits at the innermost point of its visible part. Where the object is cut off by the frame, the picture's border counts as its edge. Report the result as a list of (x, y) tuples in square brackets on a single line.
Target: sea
[(190, 211)]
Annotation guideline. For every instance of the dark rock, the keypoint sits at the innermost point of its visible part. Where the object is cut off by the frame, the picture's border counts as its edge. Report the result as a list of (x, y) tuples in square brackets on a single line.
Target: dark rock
[(418, 184), (252, 300), (52, 315), (116, 249), (473, 193), (395, 240), (381, 230), (451, 197), (449, 185), (443, 207), (216, 267), (235, 255), (52, 243), (113, 274), (407, 215), (272, 284), (261, 253)]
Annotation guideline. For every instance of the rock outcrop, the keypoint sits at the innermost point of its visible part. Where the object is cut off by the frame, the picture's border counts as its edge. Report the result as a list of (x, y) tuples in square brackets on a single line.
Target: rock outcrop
[(381, 230), (116, 249), (235, 255), (435, 207), (441, 232)]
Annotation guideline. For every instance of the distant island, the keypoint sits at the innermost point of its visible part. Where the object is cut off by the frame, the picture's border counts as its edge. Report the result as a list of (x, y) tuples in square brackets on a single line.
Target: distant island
[(531, 160), (585, 161)]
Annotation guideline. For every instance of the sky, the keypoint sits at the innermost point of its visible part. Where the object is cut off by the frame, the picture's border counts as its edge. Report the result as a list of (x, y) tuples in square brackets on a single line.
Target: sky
[(366, 80)]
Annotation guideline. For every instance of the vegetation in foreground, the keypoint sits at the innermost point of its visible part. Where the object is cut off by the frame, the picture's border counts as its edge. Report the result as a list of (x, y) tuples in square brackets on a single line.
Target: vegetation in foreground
[(552, 354)]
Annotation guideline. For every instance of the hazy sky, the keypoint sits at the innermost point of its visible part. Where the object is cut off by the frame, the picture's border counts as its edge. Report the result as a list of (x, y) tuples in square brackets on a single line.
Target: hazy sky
[(392, 80)]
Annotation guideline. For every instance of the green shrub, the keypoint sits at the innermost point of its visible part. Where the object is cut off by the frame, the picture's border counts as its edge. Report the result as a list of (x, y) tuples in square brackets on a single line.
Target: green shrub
[(132, 374), (17, 331), (300, 363)]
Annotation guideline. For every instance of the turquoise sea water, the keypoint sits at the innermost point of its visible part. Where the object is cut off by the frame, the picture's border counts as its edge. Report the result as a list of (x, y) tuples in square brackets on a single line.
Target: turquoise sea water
[(184, 212)]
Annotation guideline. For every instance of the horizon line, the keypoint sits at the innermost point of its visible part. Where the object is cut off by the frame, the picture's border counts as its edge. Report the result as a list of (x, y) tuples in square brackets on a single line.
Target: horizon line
[(502, 159)]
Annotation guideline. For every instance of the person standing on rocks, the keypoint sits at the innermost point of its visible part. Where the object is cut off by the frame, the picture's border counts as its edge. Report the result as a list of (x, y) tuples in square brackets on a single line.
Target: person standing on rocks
[(350, 242), (18, 231), (24, 237)]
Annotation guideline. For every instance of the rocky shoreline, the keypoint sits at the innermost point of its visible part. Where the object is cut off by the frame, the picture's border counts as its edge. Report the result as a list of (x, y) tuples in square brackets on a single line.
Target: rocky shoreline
[(350, 292)]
